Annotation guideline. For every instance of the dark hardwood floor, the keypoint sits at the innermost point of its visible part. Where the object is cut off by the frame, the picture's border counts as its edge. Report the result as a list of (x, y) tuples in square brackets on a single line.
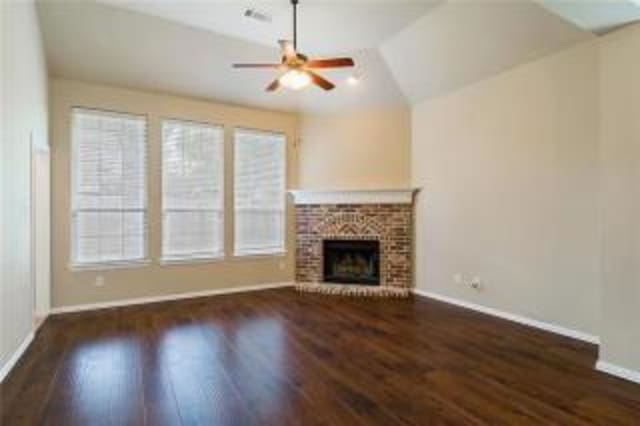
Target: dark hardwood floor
[(278, 357)]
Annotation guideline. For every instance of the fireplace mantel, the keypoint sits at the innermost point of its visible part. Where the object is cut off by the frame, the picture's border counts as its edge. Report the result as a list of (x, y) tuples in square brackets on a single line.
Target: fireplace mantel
[(369, 196)]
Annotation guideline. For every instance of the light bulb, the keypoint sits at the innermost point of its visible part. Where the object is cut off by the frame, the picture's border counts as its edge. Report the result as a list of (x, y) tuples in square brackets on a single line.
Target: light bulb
[(353, 80), (295, 79)]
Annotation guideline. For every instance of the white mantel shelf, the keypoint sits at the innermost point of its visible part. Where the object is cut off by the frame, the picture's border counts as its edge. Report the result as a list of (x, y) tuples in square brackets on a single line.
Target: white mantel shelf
[(369, 196)]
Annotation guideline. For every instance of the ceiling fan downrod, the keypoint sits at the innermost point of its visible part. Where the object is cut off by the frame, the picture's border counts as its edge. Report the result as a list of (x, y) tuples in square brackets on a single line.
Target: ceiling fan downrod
[(295, 24)]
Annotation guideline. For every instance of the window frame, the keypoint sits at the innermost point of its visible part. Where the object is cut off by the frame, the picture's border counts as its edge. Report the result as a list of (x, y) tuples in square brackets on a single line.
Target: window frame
[(282, 252), (73, 264), (168, 260)]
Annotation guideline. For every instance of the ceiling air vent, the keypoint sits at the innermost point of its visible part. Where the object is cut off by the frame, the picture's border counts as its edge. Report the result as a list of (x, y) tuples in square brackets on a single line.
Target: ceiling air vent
[(257, 15)]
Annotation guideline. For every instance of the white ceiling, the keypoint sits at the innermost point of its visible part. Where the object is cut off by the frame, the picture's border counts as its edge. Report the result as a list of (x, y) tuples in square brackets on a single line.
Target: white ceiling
[(405, 50), (323, 25), (98, 43), (459, 43), (597, 16)]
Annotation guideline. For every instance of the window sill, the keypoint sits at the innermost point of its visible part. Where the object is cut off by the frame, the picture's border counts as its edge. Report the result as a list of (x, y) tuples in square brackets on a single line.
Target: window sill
[(191, 260), (79, 267), (249, 256)]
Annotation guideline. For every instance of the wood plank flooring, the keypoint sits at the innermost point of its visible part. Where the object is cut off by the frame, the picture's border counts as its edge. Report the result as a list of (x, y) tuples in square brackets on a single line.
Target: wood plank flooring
[(278, 357)]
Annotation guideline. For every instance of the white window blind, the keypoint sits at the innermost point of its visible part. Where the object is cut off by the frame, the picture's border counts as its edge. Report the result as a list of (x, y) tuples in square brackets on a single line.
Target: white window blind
[(192, 191), (108, 194), (259, 192)]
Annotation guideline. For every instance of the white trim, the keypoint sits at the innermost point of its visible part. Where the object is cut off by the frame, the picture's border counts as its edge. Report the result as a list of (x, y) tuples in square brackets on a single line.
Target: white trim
[(616, 370), (259, 255), (553, 328), (13, 360), (165, 298), (372, 196), (168, 261), (104, 266)]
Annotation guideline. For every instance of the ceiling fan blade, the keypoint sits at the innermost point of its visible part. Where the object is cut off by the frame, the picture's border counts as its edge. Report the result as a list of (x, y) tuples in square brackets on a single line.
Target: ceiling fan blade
[(330, 63), (256, 65), (320, 81), (287, 48), (275, 84)]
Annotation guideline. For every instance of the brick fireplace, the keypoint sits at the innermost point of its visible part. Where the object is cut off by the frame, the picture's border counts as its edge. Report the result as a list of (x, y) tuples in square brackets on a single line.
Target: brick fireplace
[(371, 219)]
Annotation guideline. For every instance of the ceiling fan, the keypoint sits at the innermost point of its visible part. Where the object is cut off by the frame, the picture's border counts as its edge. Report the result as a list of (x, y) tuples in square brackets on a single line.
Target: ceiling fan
[(296, 69)]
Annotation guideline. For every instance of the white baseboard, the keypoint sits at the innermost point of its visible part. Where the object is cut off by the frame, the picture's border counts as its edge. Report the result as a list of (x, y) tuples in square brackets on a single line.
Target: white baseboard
[(12, 361), (553, 328), (616, 370), (165, 298)]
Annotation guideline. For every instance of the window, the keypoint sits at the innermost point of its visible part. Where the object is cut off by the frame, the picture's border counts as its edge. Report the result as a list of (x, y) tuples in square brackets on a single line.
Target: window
[(259, 198), (192, 191), (108, 194)]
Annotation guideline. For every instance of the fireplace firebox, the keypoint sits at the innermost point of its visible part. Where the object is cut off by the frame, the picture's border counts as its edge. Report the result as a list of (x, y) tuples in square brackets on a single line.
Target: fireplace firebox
[(351, 261)]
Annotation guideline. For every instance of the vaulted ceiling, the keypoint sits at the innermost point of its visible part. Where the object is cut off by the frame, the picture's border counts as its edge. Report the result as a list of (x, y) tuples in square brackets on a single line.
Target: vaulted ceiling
[(405, 50), (598, 16)]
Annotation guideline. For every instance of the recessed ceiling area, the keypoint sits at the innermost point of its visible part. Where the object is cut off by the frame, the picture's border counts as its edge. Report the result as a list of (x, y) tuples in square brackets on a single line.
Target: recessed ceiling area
[(404, 51)]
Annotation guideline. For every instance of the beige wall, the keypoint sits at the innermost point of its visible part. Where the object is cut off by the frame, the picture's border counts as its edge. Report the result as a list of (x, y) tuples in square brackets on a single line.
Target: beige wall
[(71, 288), (509, 170), (363, 149), (620, 151), (24, 116)]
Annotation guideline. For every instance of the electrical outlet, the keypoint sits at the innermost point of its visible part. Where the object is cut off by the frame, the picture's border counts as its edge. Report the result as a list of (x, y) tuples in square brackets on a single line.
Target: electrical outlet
[(457, 278), (99, 281), (476, 283)]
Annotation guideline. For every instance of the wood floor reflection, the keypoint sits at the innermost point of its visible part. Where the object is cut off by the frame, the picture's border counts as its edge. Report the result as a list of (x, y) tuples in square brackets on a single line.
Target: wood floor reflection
[(278, 357)]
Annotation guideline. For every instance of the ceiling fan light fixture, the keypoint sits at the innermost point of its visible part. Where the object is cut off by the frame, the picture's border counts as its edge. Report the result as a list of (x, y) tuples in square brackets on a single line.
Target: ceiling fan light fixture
[(295, 79), (299, 70)]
